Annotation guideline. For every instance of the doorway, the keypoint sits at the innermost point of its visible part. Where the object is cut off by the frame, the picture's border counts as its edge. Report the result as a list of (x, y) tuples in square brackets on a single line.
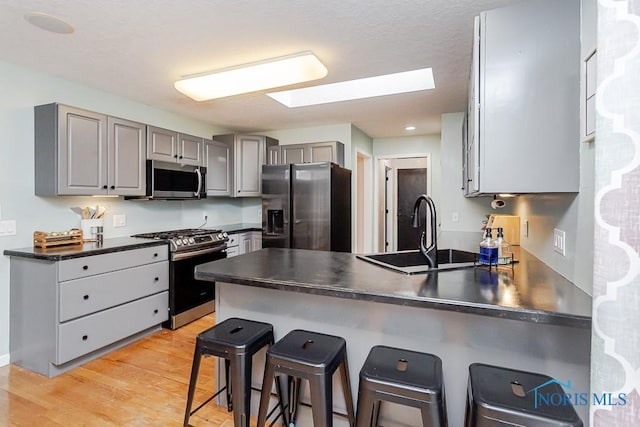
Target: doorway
[(400, 180), (363, 203)]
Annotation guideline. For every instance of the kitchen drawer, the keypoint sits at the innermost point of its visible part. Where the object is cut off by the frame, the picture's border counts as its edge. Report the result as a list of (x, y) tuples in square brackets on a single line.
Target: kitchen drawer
[(89, 333), (97, 264), (84, 296), (233, 251), (233, 240)]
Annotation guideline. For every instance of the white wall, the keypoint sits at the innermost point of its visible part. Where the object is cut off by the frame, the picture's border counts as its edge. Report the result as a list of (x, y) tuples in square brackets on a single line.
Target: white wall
[(21, 90)]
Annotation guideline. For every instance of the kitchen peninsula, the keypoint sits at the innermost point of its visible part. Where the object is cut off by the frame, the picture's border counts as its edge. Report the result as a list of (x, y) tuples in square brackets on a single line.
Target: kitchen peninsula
[(527, 318)]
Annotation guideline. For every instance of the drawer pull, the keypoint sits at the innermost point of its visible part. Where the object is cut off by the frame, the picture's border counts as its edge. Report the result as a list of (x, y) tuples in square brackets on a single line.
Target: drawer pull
[(86, 297), (155, 255), (156, 279), (84, 337), (85, 267), (203, 293), (155, 311)]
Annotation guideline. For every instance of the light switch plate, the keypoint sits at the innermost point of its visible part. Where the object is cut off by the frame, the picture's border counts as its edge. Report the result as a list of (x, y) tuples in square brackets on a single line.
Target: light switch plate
[(8, 227), (559, 241), (119, 220)]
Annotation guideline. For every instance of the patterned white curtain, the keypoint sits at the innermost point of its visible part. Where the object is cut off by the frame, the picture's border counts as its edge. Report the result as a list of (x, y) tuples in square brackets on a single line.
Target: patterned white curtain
[(615, 356)]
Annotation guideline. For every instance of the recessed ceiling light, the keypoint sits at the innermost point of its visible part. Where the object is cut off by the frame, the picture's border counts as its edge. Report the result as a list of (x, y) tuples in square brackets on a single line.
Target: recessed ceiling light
[(48, 23), (410, 128), (389, 84), (268, 74)]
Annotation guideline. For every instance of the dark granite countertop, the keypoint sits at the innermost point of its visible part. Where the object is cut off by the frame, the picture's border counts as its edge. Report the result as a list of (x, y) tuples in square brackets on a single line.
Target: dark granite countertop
[(241, 227), (531, 291), (58, 253)]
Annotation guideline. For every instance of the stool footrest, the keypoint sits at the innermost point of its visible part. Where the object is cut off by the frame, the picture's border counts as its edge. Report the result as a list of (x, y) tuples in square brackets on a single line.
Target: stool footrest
[(208, 400)]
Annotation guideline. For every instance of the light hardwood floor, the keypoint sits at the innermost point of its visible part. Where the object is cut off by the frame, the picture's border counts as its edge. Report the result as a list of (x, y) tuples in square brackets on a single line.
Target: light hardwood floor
[(142, 384)]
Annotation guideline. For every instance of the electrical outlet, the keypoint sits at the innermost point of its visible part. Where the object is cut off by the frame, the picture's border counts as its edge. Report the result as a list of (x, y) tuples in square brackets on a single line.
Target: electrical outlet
[(119, 220), (455, 217), (559, 241)]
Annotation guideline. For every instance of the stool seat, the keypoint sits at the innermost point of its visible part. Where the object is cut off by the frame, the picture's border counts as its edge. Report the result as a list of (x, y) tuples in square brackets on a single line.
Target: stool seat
[(404, 377), (236, 341), (309, 351), (510, 396), (235, 336), (314, 357)]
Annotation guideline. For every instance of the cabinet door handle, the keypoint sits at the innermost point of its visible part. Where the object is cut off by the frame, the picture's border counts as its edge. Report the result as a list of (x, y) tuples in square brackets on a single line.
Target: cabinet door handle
[(155, 311), (155, 255), (104, 187), (180, 157), (175, 155), (155, 279), (85, 267), (85, 337), (113, 187), (86, 297)]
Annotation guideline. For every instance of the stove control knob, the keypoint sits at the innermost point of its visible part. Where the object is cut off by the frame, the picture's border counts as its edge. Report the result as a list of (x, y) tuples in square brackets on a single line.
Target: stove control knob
[(225, 235), (192, 240), (185, 241), (220, 236), (178, 242)]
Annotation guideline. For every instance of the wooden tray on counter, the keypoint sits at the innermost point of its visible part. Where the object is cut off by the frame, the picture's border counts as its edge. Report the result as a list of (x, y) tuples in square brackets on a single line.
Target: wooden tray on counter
[(44, 239)]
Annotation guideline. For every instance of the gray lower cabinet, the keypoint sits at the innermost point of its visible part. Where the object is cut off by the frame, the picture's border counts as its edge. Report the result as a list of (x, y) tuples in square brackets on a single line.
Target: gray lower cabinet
[(313, 152), (80, 152), (170, 146), (245, 156), (65, 313), (523, 130), (242, 243)]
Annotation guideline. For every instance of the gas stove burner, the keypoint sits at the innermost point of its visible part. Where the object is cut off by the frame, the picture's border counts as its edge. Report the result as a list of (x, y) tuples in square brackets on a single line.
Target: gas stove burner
[(188, 238)]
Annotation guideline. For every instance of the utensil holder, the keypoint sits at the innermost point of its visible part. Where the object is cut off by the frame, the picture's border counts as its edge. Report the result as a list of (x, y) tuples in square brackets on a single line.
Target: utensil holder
[(90, 229)]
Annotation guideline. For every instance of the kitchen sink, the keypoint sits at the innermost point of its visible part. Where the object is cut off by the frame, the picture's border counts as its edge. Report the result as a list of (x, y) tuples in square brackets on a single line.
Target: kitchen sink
[(413, 262)]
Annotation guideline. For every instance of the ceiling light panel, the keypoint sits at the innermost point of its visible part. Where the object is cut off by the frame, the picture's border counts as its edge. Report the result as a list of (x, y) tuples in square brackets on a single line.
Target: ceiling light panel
[(389, 84), (48, 23), (277, 72)]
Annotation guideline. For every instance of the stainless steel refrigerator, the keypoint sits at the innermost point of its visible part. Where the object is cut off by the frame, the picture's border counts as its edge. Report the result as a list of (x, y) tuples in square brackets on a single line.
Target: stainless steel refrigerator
[(306, 206)]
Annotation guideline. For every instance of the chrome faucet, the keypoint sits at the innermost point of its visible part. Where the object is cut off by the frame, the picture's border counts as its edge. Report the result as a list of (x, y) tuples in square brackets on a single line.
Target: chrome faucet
[(430, 251)]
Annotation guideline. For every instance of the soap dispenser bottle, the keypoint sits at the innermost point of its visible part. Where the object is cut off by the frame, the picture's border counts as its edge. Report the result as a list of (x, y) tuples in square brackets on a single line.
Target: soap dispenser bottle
[(504, 248), (488, 250)]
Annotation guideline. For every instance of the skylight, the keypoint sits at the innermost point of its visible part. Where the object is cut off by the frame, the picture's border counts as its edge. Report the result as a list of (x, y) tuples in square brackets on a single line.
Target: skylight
[(389, 84)]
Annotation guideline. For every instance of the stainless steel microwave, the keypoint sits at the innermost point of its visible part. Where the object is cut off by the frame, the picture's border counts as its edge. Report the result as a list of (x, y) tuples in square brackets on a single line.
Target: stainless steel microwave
[(172, 181)]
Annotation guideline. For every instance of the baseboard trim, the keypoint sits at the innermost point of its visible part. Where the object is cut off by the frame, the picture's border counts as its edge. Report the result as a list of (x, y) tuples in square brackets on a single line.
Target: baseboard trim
[(4, 359)]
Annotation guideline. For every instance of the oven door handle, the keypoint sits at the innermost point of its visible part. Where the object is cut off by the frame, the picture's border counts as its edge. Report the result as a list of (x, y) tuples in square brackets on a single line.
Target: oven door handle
[(190, 254)]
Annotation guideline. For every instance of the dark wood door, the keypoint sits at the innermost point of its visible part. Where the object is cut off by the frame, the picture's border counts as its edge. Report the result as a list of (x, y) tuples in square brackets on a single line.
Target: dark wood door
[(411, 184)]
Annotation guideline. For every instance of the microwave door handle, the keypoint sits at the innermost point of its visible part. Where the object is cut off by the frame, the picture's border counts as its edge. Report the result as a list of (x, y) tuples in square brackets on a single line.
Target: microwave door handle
[(197, 192)]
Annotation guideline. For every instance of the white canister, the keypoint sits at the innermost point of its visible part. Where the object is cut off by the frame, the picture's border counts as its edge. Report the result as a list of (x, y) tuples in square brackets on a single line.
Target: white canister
[(90, 228)]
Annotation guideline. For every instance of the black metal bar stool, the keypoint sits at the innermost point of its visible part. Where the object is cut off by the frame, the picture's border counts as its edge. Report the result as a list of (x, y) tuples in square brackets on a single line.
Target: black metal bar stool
[(314, 357), (497, 396), (236, 341), (405, 377)]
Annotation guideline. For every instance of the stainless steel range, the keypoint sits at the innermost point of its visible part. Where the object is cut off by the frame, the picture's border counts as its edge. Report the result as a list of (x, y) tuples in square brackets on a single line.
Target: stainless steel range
[(190, 299)]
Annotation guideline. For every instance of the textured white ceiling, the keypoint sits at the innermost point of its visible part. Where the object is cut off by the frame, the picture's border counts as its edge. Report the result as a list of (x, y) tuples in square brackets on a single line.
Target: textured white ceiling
[(138, 48)]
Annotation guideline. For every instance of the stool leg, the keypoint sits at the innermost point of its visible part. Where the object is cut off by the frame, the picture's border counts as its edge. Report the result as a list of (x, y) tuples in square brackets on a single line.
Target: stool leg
[(241, 390), (228, 385), (293, 389), (366, 406), (377, 404), (321, 400), (267, 382), (346, 389), (195, 367)]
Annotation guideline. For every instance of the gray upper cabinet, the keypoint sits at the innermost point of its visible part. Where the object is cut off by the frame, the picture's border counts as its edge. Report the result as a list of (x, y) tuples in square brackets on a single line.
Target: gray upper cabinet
[(523, 129), (79, 152), (126, 153), (170, 146), (329, 151), (218, 159), (249, 153), (274, 155)]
